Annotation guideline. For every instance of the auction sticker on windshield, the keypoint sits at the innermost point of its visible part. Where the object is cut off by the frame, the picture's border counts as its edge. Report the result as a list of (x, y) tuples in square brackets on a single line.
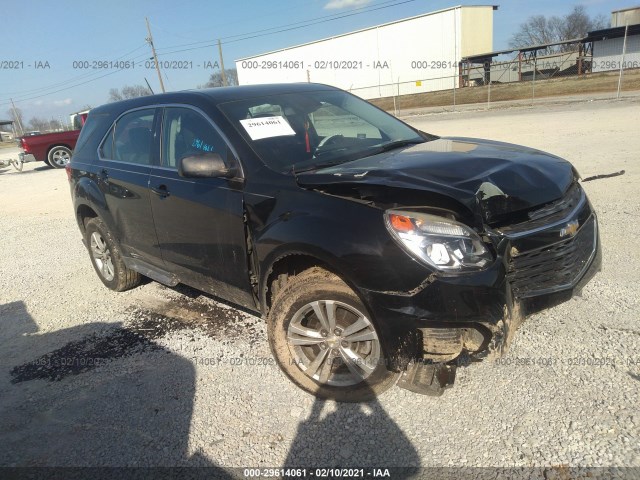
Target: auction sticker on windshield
[(267, 127)]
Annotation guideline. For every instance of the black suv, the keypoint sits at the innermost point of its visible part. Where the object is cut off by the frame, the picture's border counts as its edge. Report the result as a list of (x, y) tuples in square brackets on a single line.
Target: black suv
[(376, 252)]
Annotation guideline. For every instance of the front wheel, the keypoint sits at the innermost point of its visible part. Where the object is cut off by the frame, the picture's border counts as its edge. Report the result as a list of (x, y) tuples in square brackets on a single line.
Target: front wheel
[(325, 341), (59, 156)]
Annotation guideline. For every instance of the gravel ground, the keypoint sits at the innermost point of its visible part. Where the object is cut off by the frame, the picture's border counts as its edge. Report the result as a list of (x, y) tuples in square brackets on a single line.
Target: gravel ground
[(164, 377)]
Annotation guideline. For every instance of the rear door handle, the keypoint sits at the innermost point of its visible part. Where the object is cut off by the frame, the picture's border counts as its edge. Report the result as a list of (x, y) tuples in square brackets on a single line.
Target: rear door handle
[(161, 191)]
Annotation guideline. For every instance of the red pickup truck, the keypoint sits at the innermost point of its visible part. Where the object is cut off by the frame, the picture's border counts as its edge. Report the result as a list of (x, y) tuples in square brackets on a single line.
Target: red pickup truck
[(52, 148)]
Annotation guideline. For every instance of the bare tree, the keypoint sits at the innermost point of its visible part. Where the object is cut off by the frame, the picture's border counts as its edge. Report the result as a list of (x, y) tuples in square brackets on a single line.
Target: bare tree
[(538, 29), (39, 124), (578, 23), (128, 91), (16, 117), (215, 80), (55, 125)]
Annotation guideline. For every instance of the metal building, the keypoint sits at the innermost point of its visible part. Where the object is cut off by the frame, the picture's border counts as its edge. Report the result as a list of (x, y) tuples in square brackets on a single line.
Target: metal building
[(608, 45), (626, 16), (413, 55)]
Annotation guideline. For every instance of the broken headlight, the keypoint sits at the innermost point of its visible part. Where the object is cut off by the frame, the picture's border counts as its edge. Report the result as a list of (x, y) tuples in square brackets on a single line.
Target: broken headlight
[(441, 243)]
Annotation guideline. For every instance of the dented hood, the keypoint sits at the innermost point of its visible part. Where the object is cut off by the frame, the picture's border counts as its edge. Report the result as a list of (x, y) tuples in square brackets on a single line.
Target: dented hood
[(490, 178)]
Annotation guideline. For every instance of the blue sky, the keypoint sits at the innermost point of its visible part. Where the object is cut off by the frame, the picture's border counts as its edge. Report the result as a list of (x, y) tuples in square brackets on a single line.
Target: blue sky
[(55, 34)]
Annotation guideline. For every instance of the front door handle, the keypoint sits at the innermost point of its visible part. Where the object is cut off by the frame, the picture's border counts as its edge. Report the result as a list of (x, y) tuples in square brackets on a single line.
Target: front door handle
[(161, 190)]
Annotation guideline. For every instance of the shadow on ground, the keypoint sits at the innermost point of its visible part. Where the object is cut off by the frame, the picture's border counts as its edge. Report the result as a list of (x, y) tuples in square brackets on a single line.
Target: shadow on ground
[(105, 395), (348, 435), (87, 397)]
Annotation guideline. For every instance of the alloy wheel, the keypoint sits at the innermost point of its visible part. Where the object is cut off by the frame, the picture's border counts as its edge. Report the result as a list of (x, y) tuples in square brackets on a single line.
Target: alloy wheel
[(333, 343), (60, 157), (102, 256)]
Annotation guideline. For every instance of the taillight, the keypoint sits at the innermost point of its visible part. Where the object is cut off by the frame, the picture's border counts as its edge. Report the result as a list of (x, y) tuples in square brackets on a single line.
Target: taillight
[(68, 170), (25, 146)]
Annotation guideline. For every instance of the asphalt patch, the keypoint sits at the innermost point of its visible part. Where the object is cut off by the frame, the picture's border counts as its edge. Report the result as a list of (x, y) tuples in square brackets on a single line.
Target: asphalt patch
[(145, 324)]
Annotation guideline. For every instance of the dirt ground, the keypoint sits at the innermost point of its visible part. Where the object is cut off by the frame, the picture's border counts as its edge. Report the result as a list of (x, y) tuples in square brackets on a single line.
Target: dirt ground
[(184, 380)]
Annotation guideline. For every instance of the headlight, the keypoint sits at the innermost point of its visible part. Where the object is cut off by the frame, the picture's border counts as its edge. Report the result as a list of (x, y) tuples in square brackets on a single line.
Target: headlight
[(442, 243)]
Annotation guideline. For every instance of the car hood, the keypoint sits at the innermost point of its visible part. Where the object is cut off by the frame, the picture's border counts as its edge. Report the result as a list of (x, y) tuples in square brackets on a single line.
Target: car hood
[(491, 178)]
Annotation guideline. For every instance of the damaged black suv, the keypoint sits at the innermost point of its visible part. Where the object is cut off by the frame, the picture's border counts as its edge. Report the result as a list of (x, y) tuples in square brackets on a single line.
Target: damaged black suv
[(374, 251)]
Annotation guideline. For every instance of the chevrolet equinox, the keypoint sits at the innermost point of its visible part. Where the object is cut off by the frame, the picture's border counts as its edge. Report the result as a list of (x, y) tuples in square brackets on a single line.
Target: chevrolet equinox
[(377, 253)]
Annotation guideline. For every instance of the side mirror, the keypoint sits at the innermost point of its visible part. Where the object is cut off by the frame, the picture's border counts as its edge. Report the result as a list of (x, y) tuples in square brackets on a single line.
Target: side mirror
[(204, 165)]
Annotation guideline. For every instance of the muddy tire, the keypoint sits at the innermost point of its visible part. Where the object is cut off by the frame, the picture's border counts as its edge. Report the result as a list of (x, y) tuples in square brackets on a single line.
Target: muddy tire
[(325, 340), (107, 259)]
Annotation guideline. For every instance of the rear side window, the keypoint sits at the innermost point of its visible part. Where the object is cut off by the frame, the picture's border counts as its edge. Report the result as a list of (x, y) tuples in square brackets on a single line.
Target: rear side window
[(131, 139), (91, 126), (185, 132)]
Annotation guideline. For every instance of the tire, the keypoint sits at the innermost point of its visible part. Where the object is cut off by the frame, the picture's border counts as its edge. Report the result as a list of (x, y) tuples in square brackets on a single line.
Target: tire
[(107, 259), (46, 161), (59, 156), (301, 341)]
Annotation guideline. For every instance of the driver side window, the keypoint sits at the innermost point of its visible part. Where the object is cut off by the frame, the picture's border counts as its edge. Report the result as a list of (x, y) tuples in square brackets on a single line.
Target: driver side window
[(186, 132)]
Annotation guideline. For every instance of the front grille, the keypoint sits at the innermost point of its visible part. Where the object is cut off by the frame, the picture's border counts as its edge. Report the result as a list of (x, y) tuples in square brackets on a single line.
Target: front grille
[(548, 214), (555, 266)]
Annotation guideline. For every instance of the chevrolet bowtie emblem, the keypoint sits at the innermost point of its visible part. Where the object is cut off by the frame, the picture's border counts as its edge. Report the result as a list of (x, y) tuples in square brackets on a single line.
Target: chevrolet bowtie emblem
[(570, 229)]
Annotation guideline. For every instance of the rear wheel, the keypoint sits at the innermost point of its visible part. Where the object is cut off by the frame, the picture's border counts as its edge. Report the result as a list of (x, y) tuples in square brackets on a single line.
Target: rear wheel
[(107, 258), (59, 156), (325, 341)]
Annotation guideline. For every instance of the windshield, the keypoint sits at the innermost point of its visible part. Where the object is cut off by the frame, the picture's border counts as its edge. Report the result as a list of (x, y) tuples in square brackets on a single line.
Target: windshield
[(304, 131)]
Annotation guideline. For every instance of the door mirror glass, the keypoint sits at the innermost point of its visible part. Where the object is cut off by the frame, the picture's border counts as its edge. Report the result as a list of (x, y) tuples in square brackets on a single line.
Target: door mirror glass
[(204, 165)]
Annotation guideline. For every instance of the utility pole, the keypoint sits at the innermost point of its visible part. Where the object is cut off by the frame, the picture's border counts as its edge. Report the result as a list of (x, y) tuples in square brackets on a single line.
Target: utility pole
[(155, 57), (624, 51), (224, 74), (17, 117)]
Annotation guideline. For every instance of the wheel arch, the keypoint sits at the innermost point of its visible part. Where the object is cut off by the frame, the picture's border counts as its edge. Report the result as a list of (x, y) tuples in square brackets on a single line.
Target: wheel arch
[(51, 147), (83, 214), (291, 263), (89, 202)]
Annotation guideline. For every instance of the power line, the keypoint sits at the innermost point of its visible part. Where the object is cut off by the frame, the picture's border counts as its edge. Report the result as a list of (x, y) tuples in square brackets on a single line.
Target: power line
[(68, 87), (84, 75), (292, 26), (231, 39)]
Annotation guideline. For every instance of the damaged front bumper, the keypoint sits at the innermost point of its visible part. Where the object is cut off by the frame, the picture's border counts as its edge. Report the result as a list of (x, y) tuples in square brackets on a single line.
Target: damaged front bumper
[(472, 316)]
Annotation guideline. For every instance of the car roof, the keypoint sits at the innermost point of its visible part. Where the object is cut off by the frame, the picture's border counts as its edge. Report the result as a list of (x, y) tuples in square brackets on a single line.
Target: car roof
[(212, 95)]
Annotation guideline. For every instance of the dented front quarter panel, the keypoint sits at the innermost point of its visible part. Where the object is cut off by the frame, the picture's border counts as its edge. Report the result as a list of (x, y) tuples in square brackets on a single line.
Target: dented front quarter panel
[(336, 215)]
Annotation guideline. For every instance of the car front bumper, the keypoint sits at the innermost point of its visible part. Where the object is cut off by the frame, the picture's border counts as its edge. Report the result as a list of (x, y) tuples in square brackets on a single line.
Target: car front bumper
[(478, 313)]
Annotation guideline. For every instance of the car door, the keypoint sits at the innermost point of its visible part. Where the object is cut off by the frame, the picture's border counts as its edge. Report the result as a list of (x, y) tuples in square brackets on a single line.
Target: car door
[(199, 221), (126, 155)]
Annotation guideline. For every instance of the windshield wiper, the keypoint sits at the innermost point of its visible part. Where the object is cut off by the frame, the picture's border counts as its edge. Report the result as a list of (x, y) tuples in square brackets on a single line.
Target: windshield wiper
[(396, 144), (315, 166), (357, 155)]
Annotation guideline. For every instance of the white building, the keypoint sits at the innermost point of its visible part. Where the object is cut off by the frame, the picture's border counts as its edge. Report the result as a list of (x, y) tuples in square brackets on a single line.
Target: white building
[(626, 16), (413, 55), (608, 44)]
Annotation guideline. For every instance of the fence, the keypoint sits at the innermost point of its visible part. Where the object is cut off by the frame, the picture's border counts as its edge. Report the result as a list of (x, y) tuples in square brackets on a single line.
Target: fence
[(613, 68)]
